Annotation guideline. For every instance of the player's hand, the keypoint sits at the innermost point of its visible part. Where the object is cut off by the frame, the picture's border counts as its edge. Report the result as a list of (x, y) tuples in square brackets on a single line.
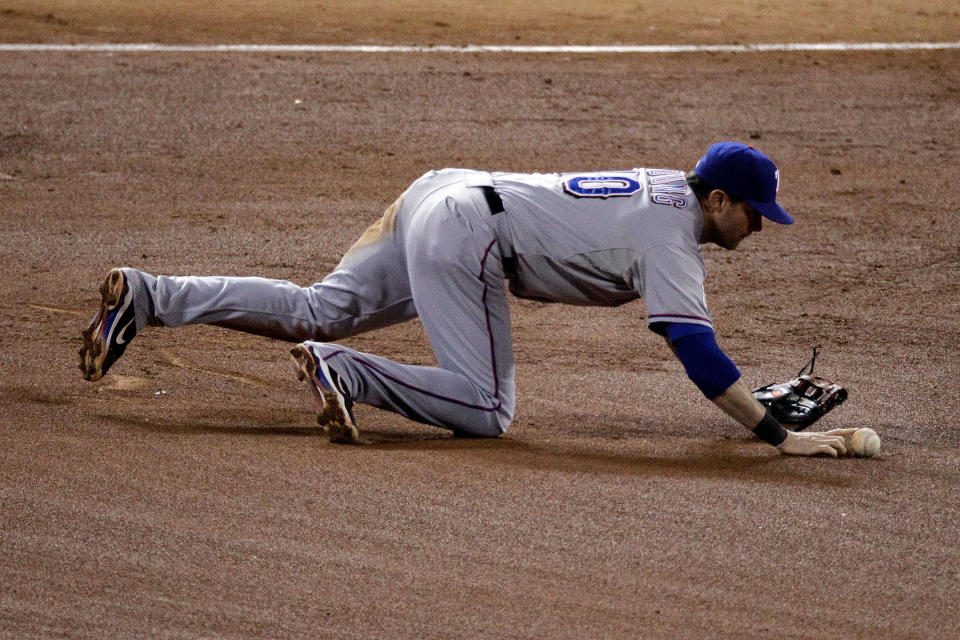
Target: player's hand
[(846, 434), (812, 443)]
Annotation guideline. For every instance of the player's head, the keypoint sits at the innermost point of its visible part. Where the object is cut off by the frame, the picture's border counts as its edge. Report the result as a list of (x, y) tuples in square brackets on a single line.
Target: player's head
[(745, 174)]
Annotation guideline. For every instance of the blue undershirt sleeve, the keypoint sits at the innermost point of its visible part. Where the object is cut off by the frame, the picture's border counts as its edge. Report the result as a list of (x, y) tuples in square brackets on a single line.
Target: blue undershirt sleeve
[(706, 364)]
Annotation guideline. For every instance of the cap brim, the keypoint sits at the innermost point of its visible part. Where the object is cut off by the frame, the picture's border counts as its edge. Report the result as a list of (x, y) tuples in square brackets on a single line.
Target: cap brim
[(772, 211)]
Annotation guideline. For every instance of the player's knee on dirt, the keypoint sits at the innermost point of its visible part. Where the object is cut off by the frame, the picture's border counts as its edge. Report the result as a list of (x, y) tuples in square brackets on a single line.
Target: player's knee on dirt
[(493, 425)]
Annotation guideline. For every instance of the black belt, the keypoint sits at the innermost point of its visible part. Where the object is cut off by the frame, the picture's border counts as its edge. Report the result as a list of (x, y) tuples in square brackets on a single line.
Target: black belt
[(495, 202)]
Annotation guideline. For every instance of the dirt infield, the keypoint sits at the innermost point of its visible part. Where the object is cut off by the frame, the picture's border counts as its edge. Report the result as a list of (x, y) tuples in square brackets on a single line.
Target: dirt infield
[(189, 493), (486, 21)]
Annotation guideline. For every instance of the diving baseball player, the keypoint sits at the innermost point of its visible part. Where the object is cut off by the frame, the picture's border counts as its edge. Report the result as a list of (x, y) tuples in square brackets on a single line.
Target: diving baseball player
[(448, 249)]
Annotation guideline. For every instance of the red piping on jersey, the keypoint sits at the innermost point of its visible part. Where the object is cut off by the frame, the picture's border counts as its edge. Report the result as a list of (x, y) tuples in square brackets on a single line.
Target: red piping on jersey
[(486, 313)]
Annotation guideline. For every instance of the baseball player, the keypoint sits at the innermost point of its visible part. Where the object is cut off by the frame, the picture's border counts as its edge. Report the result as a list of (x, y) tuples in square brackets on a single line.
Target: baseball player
[(447, 250)]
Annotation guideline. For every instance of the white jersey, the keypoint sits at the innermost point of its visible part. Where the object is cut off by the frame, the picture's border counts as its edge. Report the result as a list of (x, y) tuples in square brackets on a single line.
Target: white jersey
[(605, 238)]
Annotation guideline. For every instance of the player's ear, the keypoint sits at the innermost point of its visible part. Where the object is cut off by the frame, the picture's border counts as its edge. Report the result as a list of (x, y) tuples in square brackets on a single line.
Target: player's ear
[(716, 198)]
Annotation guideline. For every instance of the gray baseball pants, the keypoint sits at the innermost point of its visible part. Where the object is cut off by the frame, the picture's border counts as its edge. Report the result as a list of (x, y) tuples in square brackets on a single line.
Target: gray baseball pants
[(434, 254)]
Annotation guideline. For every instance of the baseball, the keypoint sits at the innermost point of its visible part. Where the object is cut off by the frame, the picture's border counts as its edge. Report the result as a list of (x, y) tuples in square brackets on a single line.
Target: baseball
[(865, 443)]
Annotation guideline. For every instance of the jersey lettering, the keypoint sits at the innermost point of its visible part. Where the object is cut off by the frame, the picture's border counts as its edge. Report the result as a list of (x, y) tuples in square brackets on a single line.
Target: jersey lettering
[(602, 186), (668, 186)]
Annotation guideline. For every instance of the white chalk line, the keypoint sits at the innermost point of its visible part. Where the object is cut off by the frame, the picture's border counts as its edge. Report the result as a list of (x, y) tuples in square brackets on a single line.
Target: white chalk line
[(336, 48)]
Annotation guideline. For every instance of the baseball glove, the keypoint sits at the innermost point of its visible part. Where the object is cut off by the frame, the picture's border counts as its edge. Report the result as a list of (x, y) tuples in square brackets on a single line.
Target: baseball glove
[(802, 401)]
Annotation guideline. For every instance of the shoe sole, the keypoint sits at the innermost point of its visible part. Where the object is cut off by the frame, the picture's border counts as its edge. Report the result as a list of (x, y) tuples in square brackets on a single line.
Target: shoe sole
[(94, 349), (331, 412)]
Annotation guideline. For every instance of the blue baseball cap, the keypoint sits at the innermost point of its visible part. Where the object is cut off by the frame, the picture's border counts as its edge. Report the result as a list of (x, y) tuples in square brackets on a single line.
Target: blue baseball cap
[(744, 173)]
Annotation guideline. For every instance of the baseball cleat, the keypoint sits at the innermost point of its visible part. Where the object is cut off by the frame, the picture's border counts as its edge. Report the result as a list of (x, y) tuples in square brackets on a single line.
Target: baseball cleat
[(335, 408), (111, 330)]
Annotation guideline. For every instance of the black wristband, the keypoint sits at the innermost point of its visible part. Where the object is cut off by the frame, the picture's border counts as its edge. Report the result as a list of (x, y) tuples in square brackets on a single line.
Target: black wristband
[(770, 430)]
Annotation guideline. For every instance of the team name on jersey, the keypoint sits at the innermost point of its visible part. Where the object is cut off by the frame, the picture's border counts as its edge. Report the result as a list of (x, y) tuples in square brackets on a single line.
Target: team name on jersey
[(668, 186), (611, 184)]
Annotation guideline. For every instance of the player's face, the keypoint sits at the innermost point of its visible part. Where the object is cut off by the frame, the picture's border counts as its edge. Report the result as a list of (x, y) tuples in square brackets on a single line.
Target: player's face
[(736, 221)]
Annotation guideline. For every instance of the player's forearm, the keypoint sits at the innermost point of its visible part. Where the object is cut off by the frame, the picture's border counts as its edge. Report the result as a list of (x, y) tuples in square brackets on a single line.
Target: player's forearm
[(738, 403), (718, 379)]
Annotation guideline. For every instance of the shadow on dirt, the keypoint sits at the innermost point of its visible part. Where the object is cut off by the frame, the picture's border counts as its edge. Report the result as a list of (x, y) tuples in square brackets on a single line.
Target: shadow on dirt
[(189, 426), (735, 460), (738, 460)]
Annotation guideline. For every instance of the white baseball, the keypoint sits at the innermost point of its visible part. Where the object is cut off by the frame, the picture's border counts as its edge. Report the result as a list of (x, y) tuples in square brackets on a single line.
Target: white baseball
[(865, 443)]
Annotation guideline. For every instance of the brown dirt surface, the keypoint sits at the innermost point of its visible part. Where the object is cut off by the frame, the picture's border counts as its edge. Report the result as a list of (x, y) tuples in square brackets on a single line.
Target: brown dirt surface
[(189, 493), (486, 21)]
